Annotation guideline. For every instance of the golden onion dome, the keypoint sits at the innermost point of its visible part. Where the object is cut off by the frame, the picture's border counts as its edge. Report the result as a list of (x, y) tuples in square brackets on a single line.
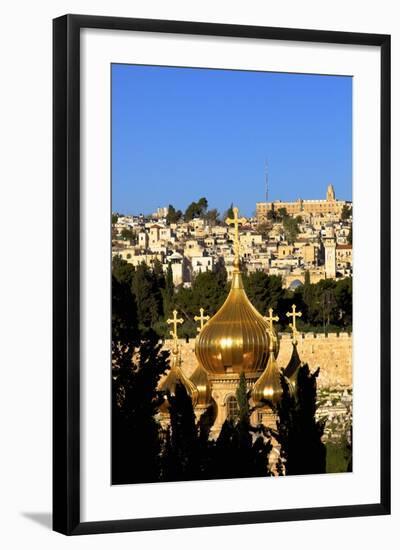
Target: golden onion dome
[(203, 387), (236, 338), (175, 376), (268, 387)]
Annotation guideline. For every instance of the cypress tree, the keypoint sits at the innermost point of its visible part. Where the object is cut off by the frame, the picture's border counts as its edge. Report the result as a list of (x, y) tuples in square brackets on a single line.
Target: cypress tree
[(299, 433), (180, 459), (241, 450), (168, 292), (135, 435), (135, 439)]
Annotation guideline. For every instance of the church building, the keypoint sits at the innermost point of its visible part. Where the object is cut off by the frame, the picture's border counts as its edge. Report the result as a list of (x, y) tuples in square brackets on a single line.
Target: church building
[(236, 340)]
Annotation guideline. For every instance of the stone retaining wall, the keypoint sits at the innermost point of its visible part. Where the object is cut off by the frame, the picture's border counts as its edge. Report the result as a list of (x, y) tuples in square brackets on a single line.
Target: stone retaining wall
[(331, 352)]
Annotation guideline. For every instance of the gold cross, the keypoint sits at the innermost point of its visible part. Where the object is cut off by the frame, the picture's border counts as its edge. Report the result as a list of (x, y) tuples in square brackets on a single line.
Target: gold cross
[(270, 320), (292, 325), (201, 318), (236, 221), (175, 322)]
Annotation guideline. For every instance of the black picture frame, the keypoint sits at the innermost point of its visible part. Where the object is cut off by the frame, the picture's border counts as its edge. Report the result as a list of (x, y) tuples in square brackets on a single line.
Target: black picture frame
[(66, 273)]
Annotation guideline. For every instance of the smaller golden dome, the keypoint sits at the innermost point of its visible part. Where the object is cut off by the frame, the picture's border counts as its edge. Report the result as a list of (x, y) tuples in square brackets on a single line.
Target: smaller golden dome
[(175, 376), (268, 387), (203, 387)]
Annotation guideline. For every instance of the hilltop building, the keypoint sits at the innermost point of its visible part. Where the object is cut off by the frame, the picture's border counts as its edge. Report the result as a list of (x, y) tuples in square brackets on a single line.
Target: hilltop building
[(329, 207)]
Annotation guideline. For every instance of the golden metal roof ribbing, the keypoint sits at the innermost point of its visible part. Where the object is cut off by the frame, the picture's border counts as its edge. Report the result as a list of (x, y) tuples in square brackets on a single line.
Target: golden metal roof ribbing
[(236, 338)]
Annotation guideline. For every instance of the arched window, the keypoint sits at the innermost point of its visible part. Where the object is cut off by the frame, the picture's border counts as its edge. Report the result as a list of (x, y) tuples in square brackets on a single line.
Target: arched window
[(232, 408)]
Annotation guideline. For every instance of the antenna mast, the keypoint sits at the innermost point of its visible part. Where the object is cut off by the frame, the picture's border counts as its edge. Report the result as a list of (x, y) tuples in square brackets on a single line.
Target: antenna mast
[(266, 181)]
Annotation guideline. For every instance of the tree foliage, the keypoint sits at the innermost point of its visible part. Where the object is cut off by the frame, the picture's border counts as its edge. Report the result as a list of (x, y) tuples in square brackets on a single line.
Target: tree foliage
[(212, 216), (181, 457), (229, 212), (299, 433), (196, 209), (127, 234), (264, 291), (325, 306), (346, 213), (173, 215), (137, 364)]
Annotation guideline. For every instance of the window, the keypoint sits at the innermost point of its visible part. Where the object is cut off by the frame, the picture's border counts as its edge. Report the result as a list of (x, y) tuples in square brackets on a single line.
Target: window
[(232, 408)]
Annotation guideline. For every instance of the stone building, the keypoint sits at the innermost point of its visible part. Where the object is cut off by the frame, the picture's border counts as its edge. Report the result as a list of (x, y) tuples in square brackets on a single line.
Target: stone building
[(329, 207)]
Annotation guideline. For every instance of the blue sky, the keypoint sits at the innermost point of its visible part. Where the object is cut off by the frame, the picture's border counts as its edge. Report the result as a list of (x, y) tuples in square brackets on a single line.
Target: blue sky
[(179, 134)]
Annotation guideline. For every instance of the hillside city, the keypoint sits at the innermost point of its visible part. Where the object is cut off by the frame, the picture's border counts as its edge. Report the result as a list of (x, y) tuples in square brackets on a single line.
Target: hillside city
[(285, 239), (291, 252)]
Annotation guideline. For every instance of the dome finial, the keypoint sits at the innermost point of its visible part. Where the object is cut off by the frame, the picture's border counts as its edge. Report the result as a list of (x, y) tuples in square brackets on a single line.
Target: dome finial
[(174, 332), (292, 325), (236, 221)]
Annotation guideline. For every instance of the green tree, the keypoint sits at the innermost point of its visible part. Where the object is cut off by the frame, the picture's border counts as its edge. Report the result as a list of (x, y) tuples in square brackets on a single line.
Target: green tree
[(264, 291), (122, 271), (346, 213), (212, 216), (350, 236), (168, 292), (127, 234), (291, 227), (114, 217), (344, 301), (242, 398), (148, 297), (136, 444), (124, 317), (229, 212), (263, 229), (202, 205), (196, 209), (173, 216), (299, 433), (181, 458), (135, 431), (282, 213), (241, 450)]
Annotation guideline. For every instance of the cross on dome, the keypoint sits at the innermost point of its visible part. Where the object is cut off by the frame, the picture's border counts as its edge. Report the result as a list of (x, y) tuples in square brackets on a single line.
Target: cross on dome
[(174, 332), (236, 221), (270, 320), (292, 325), (202, 318)]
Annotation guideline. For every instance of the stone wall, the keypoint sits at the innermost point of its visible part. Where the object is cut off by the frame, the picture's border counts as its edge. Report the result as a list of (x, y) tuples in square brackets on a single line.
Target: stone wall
[(331, 352)]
